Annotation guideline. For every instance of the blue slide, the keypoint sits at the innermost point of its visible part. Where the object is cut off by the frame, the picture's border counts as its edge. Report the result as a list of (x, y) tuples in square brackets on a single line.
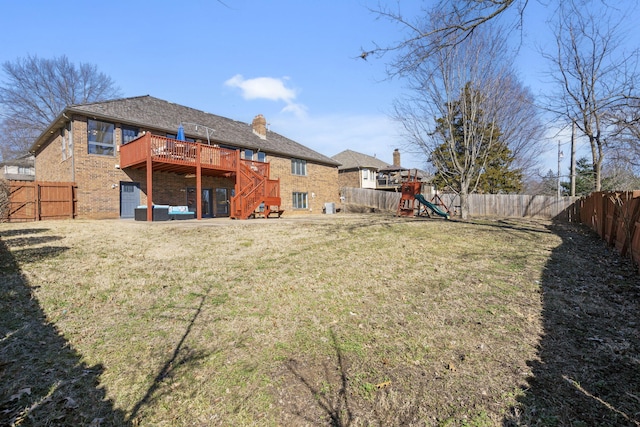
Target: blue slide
[(434, 208)]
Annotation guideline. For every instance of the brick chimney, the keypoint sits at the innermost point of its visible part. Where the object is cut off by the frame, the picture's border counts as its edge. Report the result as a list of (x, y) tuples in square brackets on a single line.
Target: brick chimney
[(259, 126), (396, 157)]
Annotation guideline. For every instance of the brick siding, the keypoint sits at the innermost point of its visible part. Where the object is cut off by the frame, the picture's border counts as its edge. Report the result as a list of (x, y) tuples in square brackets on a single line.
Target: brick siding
[(349, 178), (98, 178), (49, 163), (321, 181)]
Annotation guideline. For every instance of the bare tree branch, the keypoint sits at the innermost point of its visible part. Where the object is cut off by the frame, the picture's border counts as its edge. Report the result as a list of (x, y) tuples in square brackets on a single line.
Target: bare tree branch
[(467, 99), (36, 90), (595, 79), (443, 26)]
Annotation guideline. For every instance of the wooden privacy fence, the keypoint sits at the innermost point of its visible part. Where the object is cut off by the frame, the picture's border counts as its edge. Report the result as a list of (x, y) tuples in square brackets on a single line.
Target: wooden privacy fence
[(615, 217), (367, 200), (37, 200), (499, 205), (516, 205)]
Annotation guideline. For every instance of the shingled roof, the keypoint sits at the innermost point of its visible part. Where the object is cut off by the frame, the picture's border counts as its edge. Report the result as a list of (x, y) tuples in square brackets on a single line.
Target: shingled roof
[(24, 160), (353, 160), (153, 113)]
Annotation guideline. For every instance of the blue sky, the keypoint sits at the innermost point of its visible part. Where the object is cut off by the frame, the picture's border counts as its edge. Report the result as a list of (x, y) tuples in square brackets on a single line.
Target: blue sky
[(294, 61)]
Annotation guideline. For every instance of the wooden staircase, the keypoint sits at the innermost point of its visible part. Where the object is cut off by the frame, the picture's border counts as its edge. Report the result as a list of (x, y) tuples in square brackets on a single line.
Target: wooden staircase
[(253, 188)]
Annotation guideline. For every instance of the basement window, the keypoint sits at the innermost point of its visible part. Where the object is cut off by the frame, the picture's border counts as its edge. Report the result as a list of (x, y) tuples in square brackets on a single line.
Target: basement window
[(300, 200), (100, 137)]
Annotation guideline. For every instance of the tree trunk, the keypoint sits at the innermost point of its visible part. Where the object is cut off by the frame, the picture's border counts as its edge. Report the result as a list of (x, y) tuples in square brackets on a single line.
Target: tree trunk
[(464, 202), (597, 172)]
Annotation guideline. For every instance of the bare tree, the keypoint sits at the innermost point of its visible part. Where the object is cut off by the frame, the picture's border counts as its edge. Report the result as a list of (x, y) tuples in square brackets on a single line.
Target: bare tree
[(595, 78), (18, 135), (36, 90), (457, 20), (520, 124), (619, 175), (627, 150), (4, 199), (462, 102)]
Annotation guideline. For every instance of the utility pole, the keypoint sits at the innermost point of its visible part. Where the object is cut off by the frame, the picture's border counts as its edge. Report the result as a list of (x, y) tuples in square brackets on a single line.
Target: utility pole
[(560, 155), (573, 159)]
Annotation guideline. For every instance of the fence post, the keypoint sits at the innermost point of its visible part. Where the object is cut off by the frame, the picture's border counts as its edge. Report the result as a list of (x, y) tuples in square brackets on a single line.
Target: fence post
[(603, 216), (71, 204), (613, 231), (36, 202), (631, 226)]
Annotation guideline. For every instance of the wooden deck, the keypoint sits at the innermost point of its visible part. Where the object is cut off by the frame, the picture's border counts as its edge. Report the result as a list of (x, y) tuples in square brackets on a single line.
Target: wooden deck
[(170, 155), (154, 153)]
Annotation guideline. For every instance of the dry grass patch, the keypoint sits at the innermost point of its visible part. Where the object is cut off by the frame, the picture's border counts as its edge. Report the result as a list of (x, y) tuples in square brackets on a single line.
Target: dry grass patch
[(339, 320)]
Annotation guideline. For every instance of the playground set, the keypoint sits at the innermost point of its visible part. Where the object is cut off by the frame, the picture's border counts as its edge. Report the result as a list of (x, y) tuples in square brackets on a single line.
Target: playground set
[(411, 193)]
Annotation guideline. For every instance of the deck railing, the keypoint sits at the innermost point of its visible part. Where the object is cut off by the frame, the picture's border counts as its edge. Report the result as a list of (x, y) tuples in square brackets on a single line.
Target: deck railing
[(177, 152), (387, 182), (255, 188), (253, 185), (273, 188)]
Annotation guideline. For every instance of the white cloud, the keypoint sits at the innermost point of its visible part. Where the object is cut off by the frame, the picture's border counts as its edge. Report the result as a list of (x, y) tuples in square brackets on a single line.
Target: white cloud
[(269, 88), (329, 134), (298, 110)]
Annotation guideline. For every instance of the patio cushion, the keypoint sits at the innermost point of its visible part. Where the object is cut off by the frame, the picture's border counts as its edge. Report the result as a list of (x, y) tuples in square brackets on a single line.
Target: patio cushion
[(178, 209)]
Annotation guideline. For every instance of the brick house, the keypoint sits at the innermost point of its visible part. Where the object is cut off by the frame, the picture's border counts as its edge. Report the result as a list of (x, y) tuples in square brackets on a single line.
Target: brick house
[(22, 168), (146, 151), (360, 170)]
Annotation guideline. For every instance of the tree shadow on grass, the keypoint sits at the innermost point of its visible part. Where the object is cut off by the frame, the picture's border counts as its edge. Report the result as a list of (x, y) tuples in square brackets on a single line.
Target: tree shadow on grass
[(334, 405), (339, 401), (519, 226), (182, 356), (43, 380), (588, 368)]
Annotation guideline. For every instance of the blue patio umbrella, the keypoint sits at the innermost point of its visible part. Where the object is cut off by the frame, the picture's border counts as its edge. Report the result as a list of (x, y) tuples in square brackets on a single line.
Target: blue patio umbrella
[(180, 136)]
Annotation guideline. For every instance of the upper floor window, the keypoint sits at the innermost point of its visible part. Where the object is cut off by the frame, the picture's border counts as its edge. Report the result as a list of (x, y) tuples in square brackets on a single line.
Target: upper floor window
[(175, 136), (63, 138), (67, 144), (298, 167), (129, 133), (255, 155), (100, 137)]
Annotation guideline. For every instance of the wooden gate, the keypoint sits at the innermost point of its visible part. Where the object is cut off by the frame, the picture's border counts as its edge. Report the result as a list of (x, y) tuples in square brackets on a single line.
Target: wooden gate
[(36, 201)]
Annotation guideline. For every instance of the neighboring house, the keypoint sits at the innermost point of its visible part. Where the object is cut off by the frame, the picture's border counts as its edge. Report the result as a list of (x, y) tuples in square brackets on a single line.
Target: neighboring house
[(129, 152), (359, 170), (19, 169)]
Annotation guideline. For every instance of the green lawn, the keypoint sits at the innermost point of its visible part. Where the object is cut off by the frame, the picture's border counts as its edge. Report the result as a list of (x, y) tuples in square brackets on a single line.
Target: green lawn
[(329, 320)]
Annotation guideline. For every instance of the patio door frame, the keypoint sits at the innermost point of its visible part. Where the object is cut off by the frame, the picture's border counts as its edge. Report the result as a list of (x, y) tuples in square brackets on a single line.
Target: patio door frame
[(207, 201), (127, 207), (222, 207)]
